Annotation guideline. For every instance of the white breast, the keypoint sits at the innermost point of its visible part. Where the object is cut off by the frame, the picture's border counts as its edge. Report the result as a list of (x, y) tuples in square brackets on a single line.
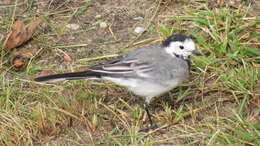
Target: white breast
[(144, 88)]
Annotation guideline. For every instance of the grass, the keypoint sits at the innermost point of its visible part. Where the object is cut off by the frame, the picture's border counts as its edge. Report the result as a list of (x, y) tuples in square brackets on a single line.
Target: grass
[(219, 105)]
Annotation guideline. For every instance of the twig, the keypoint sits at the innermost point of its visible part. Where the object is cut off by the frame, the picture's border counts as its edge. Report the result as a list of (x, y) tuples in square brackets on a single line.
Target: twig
[(97, 58), (66, 113), (112, 33), (70, 46)]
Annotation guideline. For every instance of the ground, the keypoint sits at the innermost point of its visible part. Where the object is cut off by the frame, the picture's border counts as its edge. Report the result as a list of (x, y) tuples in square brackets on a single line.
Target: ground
[(218, 105)]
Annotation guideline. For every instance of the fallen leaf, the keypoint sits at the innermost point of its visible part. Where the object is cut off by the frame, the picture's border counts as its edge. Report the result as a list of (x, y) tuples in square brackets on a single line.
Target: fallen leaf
[(16, 36), (45, 73), (22, 55), (33, 26), (67, 58), (19, 62), (27, 54), (20, 34), (220, 2), (6, 2)]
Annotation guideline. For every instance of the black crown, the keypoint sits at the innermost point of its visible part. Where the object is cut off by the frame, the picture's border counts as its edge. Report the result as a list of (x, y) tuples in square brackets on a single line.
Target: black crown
[(174, 38)]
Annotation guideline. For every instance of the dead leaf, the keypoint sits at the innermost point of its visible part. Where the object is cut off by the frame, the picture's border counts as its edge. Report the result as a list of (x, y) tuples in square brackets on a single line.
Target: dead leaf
[(67, 58), (20, 59), (33, 26), (6, 2), (16, 36), (45, 73), (20, 34), (19, 62), (220, 2), (25, 52)]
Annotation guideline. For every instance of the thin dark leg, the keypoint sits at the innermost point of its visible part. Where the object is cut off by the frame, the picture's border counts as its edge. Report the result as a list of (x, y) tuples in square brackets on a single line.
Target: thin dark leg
[(152, 124), (148, 114)]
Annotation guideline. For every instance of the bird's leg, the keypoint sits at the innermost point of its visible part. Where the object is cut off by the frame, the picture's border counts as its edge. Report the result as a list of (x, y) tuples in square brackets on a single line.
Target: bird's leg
[(152, 124), (146, 108)]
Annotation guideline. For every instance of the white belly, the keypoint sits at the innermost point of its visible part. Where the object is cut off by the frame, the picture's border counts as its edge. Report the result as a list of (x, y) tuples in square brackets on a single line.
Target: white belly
[(144, 88)]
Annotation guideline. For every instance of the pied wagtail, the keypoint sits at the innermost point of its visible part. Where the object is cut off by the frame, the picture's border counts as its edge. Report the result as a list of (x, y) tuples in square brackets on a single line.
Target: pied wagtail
[(147, 72)]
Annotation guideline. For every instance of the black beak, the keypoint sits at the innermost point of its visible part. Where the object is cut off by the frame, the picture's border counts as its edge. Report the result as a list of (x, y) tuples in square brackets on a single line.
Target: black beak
[(197, 53)]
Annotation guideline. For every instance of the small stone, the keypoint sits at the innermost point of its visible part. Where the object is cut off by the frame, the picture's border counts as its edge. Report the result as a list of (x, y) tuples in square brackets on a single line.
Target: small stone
[(138, 18), (139, 30), (103, 25), (72, 26), (98, 16)]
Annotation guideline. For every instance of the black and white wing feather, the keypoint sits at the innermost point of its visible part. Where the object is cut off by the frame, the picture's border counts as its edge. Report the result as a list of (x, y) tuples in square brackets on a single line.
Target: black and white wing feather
[(114, 69)]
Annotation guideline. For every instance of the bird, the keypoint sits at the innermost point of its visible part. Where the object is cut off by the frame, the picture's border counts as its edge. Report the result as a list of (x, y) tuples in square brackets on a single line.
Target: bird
[(147, 72)]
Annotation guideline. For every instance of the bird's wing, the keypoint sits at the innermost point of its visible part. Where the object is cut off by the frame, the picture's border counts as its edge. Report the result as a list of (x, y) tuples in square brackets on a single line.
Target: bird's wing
[(124, 68), (119, 68)]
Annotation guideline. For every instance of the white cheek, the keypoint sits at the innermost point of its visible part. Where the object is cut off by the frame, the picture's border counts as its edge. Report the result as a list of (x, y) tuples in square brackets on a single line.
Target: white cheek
[(189, 44), (173, 48), (186, 53)]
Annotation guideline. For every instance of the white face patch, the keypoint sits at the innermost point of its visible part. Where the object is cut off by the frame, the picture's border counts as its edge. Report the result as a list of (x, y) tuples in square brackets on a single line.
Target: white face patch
[(183, 49)]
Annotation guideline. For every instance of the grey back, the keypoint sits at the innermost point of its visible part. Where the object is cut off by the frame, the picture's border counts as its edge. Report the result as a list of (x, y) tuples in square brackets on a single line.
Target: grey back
[(165, 66)]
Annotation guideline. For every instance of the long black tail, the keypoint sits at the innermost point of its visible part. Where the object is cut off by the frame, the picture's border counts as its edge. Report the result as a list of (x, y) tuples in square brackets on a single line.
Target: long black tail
[(70, 76)]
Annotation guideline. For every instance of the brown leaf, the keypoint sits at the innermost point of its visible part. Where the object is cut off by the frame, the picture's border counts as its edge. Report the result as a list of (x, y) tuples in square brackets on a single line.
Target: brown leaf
[(20, 34), (67, 58), (33, 26), (19, 62), (220, 2), (6, 2), (16, 36), (20, 58), (45, 73), (27, 54)]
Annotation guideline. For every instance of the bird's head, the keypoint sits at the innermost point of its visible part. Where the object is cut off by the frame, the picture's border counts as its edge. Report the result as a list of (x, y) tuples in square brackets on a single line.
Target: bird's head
[(179, 45)]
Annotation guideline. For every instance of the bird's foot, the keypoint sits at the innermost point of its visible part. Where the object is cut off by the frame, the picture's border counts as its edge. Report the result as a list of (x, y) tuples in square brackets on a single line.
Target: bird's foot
[(149, 128)]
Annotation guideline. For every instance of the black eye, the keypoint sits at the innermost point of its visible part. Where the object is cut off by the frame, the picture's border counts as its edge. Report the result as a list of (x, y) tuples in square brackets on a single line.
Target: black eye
[(181, 47)]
